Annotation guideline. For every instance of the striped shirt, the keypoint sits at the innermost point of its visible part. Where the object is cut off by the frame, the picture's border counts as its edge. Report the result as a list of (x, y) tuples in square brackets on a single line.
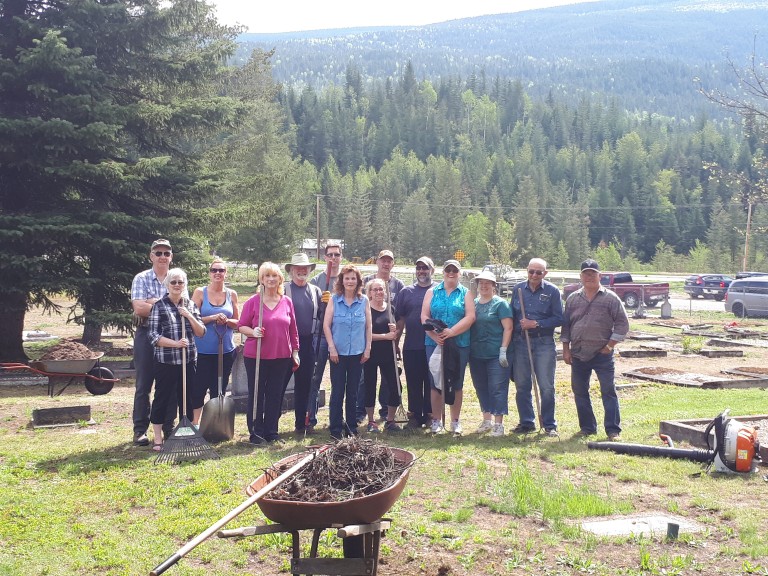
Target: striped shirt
[(165, 320)]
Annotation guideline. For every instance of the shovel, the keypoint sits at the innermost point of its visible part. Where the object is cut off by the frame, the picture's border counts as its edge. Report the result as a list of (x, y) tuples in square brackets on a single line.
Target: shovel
[(217, 423)]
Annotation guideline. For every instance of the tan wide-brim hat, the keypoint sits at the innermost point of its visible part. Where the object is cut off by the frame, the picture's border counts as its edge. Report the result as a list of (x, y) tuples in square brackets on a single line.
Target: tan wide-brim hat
[(300, 259)]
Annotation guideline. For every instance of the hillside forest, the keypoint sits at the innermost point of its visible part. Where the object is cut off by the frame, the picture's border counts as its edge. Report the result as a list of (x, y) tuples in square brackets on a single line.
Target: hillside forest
[(478, 164)]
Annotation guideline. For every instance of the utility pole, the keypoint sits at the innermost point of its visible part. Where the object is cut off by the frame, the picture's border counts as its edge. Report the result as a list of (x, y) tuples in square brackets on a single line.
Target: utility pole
[(746, 238), (317, 218)]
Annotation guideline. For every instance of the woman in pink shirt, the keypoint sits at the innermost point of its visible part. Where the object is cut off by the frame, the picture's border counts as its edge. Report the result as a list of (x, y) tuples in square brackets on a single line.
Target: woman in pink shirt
[(279, 352)]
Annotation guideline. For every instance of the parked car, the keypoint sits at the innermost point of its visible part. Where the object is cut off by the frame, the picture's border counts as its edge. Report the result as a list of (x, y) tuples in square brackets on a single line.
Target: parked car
[(627, 289), (740, 275), (707, 286), (748, 297), (506, 277)]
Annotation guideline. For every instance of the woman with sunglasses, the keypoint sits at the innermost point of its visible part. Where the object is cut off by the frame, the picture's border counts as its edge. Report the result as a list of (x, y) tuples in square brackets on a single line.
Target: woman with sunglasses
[(220, 313), (165, 334), (450, 303)]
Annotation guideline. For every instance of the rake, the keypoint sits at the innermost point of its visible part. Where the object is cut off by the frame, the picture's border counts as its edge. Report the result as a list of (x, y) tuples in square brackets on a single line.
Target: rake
[(185, 442)]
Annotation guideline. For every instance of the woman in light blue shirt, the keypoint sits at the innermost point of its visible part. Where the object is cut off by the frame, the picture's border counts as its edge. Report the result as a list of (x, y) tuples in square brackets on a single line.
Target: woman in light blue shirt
[(347, 328)]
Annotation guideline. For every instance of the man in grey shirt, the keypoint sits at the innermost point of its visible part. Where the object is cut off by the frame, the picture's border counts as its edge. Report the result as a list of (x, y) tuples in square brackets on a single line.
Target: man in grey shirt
[(593, 323)]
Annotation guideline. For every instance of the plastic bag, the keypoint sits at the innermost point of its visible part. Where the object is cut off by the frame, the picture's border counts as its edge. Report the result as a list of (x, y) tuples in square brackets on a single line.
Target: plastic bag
[(436, 367)]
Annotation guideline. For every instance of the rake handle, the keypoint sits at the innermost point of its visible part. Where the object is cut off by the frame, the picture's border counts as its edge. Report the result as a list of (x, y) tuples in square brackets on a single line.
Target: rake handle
[(211, 530), (534, 381)]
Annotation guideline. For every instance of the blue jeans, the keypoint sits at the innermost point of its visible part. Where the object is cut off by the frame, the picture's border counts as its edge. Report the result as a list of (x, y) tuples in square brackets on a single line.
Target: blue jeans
[(603, 366), (544, 359), (345, 379), (317, 379), (491, 383)]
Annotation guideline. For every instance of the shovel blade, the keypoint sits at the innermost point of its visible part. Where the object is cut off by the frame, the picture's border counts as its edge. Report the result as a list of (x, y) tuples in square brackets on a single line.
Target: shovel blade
[(217, 422)]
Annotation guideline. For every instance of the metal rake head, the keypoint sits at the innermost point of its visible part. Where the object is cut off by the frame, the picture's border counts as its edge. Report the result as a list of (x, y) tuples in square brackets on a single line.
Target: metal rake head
[(186, 443)]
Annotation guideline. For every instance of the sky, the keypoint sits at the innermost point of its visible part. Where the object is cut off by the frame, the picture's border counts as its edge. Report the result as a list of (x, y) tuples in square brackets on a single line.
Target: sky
[(295, 15)]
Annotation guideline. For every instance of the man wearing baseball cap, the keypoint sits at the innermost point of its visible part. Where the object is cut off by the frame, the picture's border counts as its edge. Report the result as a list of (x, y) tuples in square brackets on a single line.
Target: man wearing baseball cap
[(408, 305), (593, 323), (146, 289)]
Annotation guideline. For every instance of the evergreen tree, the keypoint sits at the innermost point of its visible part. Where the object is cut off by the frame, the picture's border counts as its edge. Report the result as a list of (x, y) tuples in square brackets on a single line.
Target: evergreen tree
[(104, 111)]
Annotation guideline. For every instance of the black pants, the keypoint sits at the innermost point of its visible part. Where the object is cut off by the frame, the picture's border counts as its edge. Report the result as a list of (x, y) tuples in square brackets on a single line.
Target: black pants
[(207, 376), (169, 394), (418, 385), (269, 406)]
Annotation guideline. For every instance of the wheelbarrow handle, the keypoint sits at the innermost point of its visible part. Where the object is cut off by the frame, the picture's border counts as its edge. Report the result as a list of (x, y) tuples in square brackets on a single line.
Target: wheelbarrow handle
[(211, 530)]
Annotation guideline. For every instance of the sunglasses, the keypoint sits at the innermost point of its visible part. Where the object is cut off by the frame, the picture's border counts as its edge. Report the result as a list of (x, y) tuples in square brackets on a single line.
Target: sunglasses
[(177, 282), (159, 253), (536, 272), (451, 270), (218, 270), (422, 267), (334, 255)]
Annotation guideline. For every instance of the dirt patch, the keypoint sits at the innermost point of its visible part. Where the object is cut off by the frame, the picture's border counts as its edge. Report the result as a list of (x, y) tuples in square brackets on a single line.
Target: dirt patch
[(68, 350)]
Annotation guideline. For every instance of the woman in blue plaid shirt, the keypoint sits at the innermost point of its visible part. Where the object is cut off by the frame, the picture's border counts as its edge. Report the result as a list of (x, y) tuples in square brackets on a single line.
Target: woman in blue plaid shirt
[(165, 335)]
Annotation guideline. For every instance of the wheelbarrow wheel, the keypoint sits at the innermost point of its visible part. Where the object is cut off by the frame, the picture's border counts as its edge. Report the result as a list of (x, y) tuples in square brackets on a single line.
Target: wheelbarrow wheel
[(101, 386)]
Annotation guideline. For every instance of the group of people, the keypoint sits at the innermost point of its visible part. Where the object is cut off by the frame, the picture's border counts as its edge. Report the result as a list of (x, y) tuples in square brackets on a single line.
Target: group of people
[(366, 327)]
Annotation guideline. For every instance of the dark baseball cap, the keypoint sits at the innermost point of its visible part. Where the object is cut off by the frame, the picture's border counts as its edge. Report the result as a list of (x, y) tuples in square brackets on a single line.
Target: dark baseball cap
[(590, 264)]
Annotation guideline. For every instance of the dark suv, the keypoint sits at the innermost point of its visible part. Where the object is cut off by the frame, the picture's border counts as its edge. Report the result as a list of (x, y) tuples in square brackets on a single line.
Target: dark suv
[(707, 286)]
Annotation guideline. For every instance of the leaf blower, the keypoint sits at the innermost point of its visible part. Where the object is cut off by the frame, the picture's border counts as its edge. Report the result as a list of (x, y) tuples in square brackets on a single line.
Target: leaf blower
[(736, 447)]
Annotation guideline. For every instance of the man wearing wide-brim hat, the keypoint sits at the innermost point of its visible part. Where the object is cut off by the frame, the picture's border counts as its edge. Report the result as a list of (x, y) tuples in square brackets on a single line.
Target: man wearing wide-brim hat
[(306, 299)]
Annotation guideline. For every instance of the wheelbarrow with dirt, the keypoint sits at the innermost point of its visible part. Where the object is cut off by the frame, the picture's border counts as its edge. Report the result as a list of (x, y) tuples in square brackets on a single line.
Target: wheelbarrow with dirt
[(98, 380)]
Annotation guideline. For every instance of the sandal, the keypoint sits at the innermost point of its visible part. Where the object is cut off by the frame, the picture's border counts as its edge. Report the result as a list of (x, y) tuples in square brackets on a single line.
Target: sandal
[(157, 447)]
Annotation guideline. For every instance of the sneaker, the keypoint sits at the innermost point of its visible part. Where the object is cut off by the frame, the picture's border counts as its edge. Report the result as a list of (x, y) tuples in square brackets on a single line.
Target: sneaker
[(141, 439), (524, 429), (552, 432), (486, 426), (614, 437), (437, 427), (372, 427), (456, 427), (498, 430), (391, 426)]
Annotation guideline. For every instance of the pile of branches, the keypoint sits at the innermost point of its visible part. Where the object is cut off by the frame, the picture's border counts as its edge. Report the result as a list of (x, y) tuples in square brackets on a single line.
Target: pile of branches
[(351, 468), (68, 350)]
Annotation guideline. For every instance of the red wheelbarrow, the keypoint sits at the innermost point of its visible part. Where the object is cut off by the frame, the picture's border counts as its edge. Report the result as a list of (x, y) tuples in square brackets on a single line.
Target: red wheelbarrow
[(98, 380)]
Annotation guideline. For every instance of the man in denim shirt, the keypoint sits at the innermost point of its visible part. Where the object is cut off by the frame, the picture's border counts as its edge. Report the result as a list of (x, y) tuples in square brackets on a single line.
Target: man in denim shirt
[(543, 313)]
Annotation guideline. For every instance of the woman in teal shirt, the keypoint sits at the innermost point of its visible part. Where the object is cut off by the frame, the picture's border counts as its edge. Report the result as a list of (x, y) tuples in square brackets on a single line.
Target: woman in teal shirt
[(450, 302), (488, 359)]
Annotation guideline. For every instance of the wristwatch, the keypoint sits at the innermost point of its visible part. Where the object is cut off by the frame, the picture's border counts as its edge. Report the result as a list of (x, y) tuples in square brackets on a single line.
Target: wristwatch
[(609, 347)]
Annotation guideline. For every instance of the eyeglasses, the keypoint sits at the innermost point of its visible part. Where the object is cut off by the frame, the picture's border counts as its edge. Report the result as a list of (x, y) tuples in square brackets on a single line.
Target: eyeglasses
[(451, 270), (334, 255), (159, 253), (218, 270), (177, 282), (422, 267), (376, 290), (536, 272)]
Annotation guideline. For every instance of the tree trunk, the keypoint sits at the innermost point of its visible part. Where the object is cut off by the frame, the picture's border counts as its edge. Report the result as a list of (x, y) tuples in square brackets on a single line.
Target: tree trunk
[(91, 333), (12, 312)]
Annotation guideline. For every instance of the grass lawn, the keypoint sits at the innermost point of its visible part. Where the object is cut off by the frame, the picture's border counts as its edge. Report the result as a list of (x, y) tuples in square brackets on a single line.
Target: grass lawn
[(84, 500)]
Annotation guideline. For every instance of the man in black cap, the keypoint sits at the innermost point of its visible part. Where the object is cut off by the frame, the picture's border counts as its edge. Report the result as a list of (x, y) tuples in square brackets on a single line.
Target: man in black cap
[(593, 323), (146, 289)]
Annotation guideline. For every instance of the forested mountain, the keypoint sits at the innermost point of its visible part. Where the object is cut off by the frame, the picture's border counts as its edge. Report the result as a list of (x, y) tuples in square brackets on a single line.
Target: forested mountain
[(644, 52), (558, 133)]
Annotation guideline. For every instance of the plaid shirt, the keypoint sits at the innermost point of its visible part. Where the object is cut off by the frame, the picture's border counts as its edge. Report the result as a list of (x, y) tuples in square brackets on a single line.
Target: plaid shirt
[(588, 326), (164, 320)]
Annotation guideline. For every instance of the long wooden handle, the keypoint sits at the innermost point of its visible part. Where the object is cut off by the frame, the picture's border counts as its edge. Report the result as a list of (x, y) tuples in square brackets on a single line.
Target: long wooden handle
[(258, 352), (534, 381), (213, 528)]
